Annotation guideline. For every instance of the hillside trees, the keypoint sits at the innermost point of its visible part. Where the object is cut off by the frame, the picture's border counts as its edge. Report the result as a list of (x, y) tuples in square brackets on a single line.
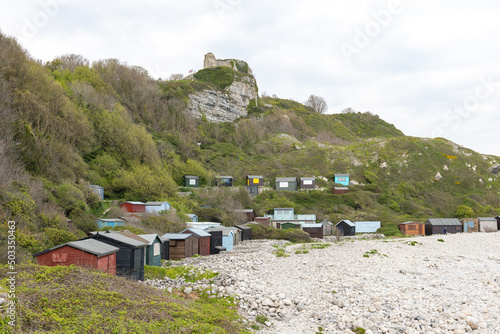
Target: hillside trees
[(317, 104)]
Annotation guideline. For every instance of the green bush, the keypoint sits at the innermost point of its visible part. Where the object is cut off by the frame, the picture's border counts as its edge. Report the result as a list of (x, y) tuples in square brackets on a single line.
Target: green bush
[(390, 230)]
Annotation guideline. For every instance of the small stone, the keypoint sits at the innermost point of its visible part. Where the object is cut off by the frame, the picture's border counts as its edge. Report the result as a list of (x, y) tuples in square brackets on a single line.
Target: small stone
[(254, 305), (301, 306), (287, 302), (267, 302), (188, 290)]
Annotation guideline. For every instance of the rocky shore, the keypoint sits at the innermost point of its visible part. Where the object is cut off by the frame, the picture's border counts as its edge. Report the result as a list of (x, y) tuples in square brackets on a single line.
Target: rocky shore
[(433, 284)]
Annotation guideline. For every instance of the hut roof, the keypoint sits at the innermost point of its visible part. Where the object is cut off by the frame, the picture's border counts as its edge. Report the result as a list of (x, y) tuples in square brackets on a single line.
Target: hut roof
[(176, 236), (198, 232), (410, 222), (487, 218), (307, 178), (286, 179), (192, 177), (135, 202), (326, 222), (244, 210), (111, 220), (255, 176), (243, 227), (155, 203), (121, 238), (132, 235), (91, 246), (348, 222), (151, 238), (444, 221), (225, 230), (341, 188), (312, 226), (342, 175)]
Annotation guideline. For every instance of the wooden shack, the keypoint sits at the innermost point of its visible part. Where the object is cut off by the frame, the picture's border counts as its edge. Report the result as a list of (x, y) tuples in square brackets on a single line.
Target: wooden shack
[(182, 245), (136, 207), (345, 227), (165, 248), (215, 241), (83, 253), (307, 182), (340, 190), (191, 181), (153, 249), (437, 226), (227, 236), (223, 181), (246, 232), (327, 227), (470, 225), (487, 224), (255, 180), (412, 228), (314, 230), (130, 257), (286, 183), (342, 179), (266, 221), (109, 222), (249, 214), (203, 239)]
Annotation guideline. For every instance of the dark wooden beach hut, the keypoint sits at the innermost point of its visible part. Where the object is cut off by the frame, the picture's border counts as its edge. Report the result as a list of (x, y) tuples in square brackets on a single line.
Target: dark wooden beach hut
[(314, 230), (165, 248), (182, 245), (254, 180), (215, 241), (223, 181), (203, 240), (246, 232), (191, 181), (153, 249), (307, 182), (438, 225), (345, 227)]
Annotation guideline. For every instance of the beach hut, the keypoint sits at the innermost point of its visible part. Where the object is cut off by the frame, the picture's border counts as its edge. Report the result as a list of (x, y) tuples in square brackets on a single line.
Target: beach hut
[(157, 207), (367, 226), (470, 225), (438, 225), (248, 213), (182, 245), (84, 253), (286, 183), (252, 190), (131, 206), (498, 222), (412, 228), (193, 217), (340, 190), (227, 236), (327, 227), (266, 221), (223, 181), (130, 257), (342, 179), (203, 240), (314, 230), (307, 182), (345, 227), (153, 249), (487, 224), (215, 241), (191, 181), (109, 222), (165, 248), (98, 190), (246, 232), (254, 180)]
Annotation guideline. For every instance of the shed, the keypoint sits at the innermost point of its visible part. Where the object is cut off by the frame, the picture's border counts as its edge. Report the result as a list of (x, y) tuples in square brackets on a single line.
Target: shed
[(165, 248), (191, 181), (236, 234), (367, 226), (307, 183), (246, 232), (182, 245), (109, 222), (223, 181), (203, 240), (340, 190), (157, 207), (286, 183), (131, 255), (314, 230), (266, 221), (193, 217), (248, 213), (327, 227), (498, 222), (412, 228), (153, 249), (255, 180), (470, 225), (287, 225), (345, 227), (487, 224), (437, 226), (84, 253), (215, 240), (98, 190), (131, 206), (252, 190), (227, 237), (342, 179)]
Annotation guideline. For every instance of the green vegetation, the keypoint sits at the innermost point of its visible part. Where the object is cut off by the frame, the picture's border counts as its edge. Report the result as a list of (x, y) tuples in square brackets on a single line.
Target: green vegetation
[(373, 252), (413, 243), (261, 319), (74, 300), (440, 240), (281, 252), (188, 273)]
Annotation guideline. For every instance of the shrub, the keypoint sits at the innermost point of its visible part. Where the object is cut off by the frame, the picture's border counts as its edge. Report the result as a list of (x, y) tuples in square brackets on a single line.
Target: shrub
[(390, 230)]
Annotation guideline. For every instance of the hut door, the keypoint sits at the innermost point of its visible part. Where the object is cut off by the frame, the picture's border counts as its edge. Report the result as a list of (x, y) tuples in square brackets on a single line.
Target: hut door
[(465, 226), (341, 229)]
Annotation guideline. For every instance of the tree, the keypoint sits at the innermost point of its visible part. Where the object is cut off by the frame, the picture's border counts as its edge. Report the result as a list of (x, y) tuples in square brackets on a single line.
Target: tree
[(317, 104)]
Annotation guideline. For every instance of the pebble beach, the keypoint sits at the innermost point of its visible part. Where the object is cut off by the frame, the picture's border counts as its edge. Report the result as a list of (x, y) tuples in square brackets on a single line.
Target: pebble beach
[(432, 284)]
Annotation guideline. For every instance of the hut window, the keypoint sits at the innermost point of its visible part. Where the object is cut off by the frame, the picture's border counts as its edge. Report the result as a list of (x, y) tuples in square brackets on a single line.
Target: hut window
[(59, 257), (156, 249), (310, 182), (192, 181), (283, 184), (341, 179), (255, 180)]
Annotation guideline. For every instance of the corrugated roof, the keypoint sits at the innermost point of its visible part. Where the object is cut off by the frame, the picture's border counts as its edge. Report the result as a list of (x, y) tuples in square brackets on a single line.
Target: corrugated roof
[(121, 238), (135, 203), (111, 220), (150, 237), (348, 222), (286, 179), (155, 203), (410, 222), (340, 188), (197, 231), (243, 227), (255, 176), (341, 175), (132, 235), (312, 226), (307, 178), (244, 210), (444, 221), (91, 246), (192, 177), (176, 236), (487, 218), (225, 230)]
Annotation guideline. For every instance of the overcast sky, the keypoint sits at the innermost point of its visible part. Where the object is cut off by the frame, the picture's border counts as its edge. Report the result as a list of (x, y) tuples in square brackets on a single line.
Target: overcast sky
[(431, 68)]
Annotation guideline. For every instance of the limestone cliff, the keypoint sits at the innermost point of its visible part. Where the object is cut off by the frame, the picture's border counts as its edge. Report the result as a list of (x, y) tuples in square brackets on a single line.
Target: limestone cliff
[(233, 91)]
